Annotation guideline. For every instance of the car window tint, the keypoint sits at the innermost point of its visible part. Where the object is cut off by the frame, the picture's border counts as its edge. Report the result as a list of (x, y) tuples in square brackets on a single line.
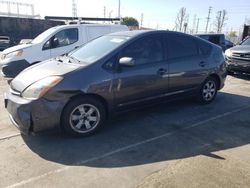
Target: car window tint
[(181, 46), (145, 50), (204, 47), (67, 37), (214, 39)]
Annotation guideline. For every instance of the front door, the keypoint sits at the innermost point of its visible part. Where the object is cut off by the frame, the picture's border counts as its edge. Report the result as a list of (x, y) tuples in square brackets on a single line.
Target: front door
[(148, 78)]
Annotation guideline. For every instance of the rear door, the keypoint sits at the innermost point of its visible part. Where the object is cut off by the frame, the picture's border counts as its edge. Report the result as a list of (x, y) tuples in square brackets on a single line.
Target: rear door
[(187, 69), (148, 78)]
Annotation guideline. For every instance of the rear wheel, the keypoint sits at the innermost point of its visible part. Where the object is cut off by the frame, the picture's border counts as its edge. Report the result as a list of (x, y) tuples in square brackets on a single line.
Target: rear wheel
[(83, 116), (208, 91)]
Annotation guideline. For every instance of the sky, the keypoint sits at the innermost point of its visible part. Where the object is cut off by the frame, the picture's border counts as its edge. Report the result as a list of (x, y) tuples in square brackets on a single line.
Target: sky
[(157, 14)]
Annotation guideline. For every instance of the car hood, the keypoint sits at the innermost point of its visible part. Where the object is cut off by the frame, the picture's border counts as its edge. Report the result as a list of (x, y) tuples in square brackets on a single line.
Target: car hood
[(18, 47), (241, 49), (39, 71)]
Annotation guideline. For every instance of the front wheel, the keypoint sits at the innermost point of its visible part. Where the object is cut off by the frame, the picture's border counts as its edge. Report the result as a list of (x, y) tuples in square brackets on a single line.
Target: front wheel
[(208, 91), (83, 116)]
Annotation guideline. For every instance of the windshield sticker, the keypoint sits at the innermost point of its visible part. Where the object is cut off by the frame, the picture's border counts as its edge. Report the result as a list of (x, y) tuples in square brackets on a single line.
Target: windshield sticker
[(116, 40)]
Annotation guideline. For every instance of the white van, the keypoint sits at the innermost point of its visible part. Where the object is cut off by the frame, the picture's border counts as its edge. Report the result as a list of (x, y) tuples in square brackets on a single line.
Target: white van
[(53, 42)]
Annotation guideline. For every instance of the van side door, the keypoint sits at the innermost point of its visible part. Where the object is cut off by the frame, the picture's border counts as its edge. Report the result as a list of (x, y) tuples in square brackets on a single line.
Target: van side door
[(94, 32), (64, 41)]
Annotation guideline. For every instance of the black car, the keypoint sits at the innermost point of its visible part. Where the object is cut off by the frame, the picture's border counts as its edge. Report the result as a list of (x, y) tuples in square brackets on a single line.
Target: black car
[(238, 58), (111, 74), (218, 39)]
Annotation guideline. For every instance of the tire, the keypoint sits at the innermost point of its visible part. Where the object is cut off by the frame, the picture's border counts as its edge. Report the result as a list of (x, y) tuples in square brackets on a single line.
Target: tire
[(208, 90), (83, 116)]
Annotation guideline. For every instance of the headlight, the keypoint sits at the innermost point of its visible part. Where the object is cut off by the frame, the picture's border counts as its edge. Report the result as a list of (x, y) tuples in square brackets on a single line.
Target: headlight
[(228, 53), (17, 53), (41, 87)]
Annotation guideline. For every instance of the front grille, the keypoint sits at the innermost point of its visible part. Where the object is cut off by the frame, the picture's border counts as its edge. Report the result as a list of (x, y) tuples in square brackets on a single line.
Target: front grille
[(241, 56)]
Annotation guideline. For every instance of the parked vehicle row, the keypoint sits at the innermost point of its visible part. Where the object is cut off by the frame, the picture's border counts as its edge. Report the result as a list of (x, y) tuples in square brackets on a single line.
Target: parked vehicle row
[(51, 43), (110, 74), (238, 57)]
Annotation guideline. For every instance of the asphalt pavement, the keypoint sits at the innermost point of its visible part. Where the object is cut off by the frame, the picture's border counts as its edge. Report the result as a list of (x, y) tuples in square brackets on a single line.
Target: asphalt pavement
[(177, 144)]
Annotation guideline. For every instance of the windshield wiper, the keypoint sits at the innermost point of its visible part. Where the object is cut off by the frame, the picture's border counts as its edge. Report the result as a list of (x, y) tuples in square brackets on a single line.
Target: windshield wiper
[(59, 58), (74, 59)]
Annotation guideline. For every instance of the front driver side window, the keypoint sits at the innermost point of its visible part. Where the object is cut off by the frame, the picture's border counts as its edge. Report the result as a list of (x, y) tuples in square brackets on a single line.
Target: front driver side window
[(65, 37), (145, 50)]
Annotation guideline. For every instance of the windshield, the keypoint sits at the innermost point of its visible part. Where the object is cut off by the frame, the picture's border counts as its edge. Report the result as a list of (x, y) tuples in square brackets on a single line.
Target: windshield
[(40, 38), (98, 48), (246, 42)]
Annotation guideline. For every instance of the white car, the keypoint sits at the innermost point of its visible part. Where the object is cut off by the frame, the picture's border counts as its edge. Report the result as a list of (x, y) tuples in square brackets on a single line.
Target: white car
[(53, 42)]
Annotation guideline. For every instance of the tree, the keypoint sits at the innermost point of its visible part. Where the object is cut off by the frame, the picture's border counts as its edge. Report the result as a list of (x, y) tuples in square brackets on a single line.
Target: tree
[(181, 20), (129, 21), (220, 20), (232, 34)]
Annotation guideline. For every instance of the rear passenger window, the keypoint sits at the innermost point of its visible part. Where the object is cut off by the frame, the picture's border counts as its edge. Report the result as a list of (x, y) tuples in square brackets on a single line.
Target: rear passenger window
[(204, 47), (181, 46)]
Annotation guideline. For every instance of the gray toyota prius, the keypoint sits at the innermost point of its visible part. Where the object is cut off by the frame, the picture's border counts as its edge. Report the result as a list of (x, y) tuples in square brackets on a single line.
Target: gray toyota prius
[(79, 91)]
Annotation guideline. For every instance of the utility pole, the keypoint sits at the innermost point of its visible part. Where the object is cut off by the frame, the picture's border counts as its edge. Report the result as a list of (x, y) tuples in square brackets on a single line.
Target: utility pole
[(194, 24), (74, 9), (110, 12), (197, 27), (142, 16), (208, 17), (185, 27), (104, 12), (119, 9)]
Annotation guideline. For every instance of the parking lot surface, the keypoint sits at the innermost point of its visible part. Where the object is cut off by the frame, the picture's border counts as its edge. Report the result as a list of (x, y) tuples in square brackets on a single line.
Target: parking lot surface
[(177, 144)]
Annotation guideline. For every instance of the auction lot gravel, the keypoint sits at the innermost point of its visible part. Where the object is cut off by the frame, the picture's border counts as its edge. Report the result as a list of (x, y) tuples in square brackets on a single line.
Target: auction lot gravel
[(177, 144)]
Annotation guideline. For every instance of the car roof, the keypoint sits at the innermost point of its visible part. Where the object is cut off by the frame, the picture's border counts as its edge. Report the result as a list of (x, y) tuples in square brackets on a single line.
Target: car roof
[(140, 32), (212, 34)]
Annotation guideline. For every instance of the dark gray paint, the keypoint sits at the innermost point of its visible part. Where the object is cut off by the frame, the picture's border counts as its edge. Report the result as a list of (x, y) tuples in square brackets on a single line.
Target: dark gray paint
[(120, 87)]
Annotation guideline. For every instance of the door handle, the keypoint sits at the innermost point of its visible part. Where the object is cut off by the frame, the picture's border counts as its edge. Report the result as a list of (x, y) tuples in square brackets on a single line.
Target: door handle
[(202, 64), (162, 71)]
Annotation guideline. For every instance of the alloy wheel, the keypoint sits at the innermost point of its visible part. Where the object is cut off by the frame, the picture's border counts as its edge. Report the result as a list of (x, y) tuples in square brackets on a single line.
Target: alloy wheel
[(84, 118), (209, 90)]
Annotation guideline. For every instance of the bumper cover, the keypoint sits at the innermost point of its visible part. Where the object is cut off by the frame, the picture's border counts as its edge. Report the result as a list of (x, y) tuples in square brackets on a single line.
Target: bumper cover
[(33, 116), (238, 65)]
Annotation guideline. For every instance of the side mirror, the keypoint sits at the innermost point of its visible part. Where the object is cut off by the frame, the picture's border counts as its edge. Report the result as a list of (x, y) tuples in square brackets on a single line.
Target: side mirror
[(127, 62), (55, 42)]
